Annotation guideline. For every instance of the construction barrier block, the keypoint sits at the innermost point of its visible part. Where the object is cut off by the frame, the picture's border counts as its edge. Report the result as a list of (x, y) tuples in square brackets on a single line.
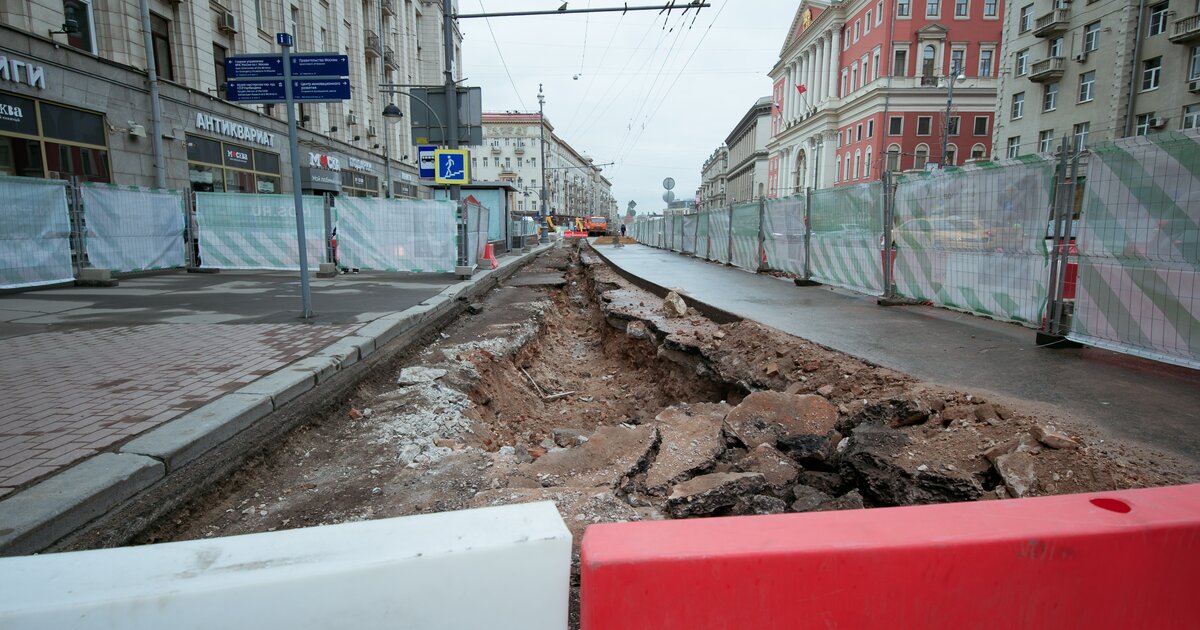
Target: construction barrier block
[(1128, 559), (502, 567)]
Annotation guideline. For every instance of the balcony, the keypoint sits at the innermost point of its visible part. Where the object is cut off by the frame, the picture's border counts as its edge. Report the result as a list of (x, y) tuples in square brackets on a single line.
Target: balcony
[(388, 6), (1046, 70), (496, 148), (1186, 30), (930, 81), (389, 58), (1053, 23), (373, 46), (520, 148)]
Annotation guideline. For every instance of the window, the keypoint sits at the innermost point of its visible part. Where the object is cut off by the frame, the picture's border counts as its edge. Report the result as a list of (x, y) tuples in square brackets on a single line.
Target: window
[(867, 23), (474, 163), (875, 65), (951, 158), (1087, 86), (858, 133), (533, 164), (1151, 68), (867, 163), (958, 62), (519, 160), (900, 63), (1194, 64), (854, 76), (258, 16), (846, 168), (1050, 97), (985, 63), (1142, 126), (84, 38), (955, 124), (991, 8), (928, 59), (1018, 106), (1091, 37), (981, 126), (485, 162), (507, 162), (1081, 135), (1046, 141), (924, 125), (1014, 146), (977, 152), (1056, 47), (856, 31), (960, 8), (219, 53), (879, 13), (160, 30), (870, 128), (903, 8), (932, 7), (893, 158), (1025, 21), (1191, 116), (921, 157), (895, 125), (1022, 60), (857, 160), (1158, 20)]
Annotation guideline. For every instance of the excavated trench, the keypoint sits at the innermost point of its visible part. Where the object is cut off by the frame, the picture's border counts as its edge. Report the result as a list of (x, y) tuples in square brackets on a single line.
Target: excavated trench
[(568, 384)]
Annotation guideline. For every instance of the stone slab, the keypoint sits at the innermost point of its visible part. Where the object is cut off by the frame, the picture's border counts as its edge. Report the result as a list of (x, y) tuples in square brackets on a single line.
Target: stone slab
[(186, 438), (32, 519), (347, 351), (322, 367), (283, 386)]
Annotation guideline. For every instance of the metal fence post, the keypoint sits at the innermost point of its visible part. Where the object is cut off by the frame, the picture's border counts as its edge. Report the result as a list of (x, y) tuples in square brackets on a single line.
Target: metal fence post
[(730, 260), (328, 209), (762, 233), (889, 201), (1063, 201), (78, 242), (808, 233), (696, 238)]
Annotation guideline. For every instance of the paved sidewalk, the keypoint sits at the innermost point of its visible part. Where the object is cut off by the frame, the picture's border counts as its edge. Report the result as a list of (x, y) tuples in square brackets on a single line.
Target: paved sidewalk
[(84, 369), (1128, 397)]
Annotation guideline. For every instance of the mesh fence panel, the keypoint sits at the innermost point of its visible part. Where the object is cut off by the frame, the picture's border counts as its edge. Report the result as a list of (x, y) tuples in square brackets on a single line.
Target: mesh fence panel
[(133, 229), (702, 243), (476, 218), (718, 235), (745, 236), (688, 236), (974, 239), (784, 234), (847, 223), (676, 233), (416, 235), (1139, 249), (35, 233), (242, 231)]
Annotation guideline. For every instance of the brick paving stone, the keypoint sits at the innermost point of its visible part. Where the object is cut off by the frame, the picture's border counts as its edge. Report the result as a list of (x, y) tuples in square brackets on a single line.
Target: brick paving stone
[(71, 394)]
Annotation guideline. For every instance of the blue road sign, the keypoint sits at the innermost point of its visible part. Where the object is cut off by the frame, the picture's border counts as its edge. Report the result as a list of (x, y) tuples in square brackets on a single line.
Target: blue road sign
[(254, 66), (260, 91), (319, 65), (426, 161), (317, 90), (283, 39), (451, 166)]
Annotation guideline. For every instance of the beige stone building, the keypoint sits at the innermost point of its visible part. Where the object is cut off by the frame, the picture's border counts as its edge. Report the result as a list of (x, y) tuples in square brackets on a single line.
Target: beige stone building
[(90, 61), (746, 177), (713, 179), (1096, 71)]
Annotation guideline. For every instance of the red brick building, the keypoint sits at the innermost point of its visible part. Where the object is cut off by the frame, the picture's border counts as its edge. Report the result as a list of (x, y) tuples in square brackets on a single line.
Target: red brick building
[(862, 86)]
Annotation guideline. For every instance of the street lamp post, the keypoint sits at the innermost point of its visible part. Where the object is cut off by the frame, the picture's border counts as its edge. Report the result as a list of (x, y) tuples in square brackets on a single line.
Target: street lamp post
[(542, 141), (950, 81)]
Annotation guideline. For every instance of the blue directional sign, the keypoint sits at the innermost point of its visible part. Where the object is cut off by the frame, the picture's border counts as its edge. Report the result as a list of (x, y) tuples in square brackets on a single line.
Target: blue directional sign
[(254, 66), (320, 90), (426, 160), (261, 91), (319, 65), (451, 166)]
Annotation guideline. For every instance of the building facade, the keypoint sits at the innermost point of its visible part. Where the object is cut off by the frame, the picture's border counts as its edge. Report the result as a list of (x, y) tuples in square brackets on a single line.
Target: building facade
[(512, 151), (713, 179), (746, 175), (77, 104), (863, 86), (1096, 71)]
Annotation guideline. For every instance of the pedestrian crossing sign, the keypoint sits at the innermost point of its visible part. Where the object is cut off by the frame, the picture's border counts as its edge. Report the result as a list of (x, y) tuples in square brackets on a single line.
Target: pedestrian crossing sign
[(451, 166)]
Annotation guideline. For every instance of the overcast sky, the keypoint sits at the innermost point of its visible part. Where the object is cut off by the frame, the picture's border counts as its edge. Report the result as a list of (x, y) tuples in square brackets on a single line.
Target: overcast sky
[(654, 101)]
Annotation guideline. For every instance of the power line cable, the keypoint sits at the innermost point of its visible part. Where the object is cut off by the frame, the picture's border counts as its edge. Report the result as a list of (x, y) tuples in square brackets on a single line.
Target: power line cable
[(499, 52)]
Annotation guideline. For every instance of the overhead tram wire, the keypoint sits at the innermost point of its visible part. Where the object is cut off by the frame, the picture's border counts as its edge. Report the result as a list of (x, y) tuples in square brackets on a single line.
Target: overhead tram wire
[(502, 61), (590, 118), (588, 88)]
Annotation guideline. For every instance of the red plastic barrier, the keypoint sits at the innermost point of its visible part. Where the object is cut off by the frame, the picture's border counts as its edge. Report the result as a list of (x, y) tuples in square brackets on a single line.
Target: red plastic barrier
[(1126, 559)]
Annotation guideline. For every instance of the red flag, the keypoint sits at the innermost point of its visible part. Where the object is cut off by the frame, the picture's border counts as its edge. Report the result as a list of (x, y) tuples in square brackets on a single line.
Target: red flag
[(800, 88)]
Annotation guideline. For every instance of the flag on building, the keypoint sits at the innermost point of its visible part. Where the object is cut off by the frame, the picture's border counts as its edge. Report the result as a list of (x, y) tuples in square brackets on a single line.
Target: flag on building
[(801, 88)]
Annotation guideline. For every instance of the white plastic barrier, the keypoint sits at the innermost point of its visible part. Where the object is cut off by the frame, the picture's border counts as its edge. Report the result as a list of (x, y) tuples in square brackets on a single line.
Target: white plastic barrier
[(396, 234), (130, 228), (243, 231), (35, 232), (502, 567)]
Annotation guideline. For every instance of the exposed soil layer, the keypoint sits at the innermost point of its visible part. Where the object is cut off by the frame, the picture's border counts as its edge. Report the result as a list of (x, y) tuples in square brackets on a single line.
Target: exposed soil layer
[(568, 384)]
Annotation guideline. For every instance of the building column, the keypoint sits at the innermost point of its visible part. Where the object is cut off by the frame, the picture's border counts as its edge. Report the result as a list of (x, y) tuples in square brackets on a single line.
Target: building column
[(789, 94), (834, 57), (822, 53)]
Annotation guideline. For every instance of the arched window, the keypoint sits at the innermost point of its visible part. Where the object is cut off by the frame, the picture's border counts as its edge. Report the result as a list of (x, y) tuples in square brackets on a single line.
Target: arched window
[(838, 175), (846, 169), (928, 58), (951, 156), (867, 164), (893, 158), (801, 166), (857, 159), (922, 156), (978, 152)]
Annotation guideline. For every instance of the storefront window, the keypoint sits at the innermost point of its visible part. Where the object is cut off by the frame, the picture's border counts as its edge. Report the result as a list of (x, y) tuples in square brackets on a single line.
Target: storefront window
[(226, 167), (357, 184), (39, 139)]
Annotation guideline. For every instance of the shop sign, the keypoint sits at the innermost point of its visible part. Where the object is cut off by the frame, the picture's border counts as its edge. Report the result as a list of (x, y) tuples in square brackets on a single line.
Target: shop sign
[(237, 157), (359, 165), (320, 180), (16, 115), (16, 71), (327, 162), (214, 124)]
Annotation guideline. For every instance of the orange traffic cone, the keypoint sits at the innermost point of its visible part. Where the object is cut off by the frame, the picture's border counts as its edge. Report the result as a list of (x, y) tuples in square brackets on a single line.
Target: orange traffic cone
[(489, 253)]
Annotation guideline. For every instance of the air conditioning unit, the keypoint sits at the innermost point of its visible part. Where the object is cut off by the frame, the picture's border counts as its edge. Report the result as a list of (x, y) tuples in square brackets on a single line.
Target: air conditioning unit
[(1194, 86), (371, 131), (228, 22), (351, 119), (1158, 122)]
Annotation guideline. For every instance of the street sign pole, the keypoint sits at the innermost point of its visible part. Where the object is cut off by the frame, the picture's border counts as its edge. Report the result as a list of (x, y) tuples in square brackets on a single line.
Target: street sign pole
[(285, 41)]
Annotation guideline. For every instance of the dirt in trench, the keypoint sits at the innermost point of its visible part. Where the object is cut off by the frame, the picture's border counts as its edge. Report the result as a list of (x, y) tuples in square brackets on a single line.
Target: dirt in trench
[(570, 385)]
